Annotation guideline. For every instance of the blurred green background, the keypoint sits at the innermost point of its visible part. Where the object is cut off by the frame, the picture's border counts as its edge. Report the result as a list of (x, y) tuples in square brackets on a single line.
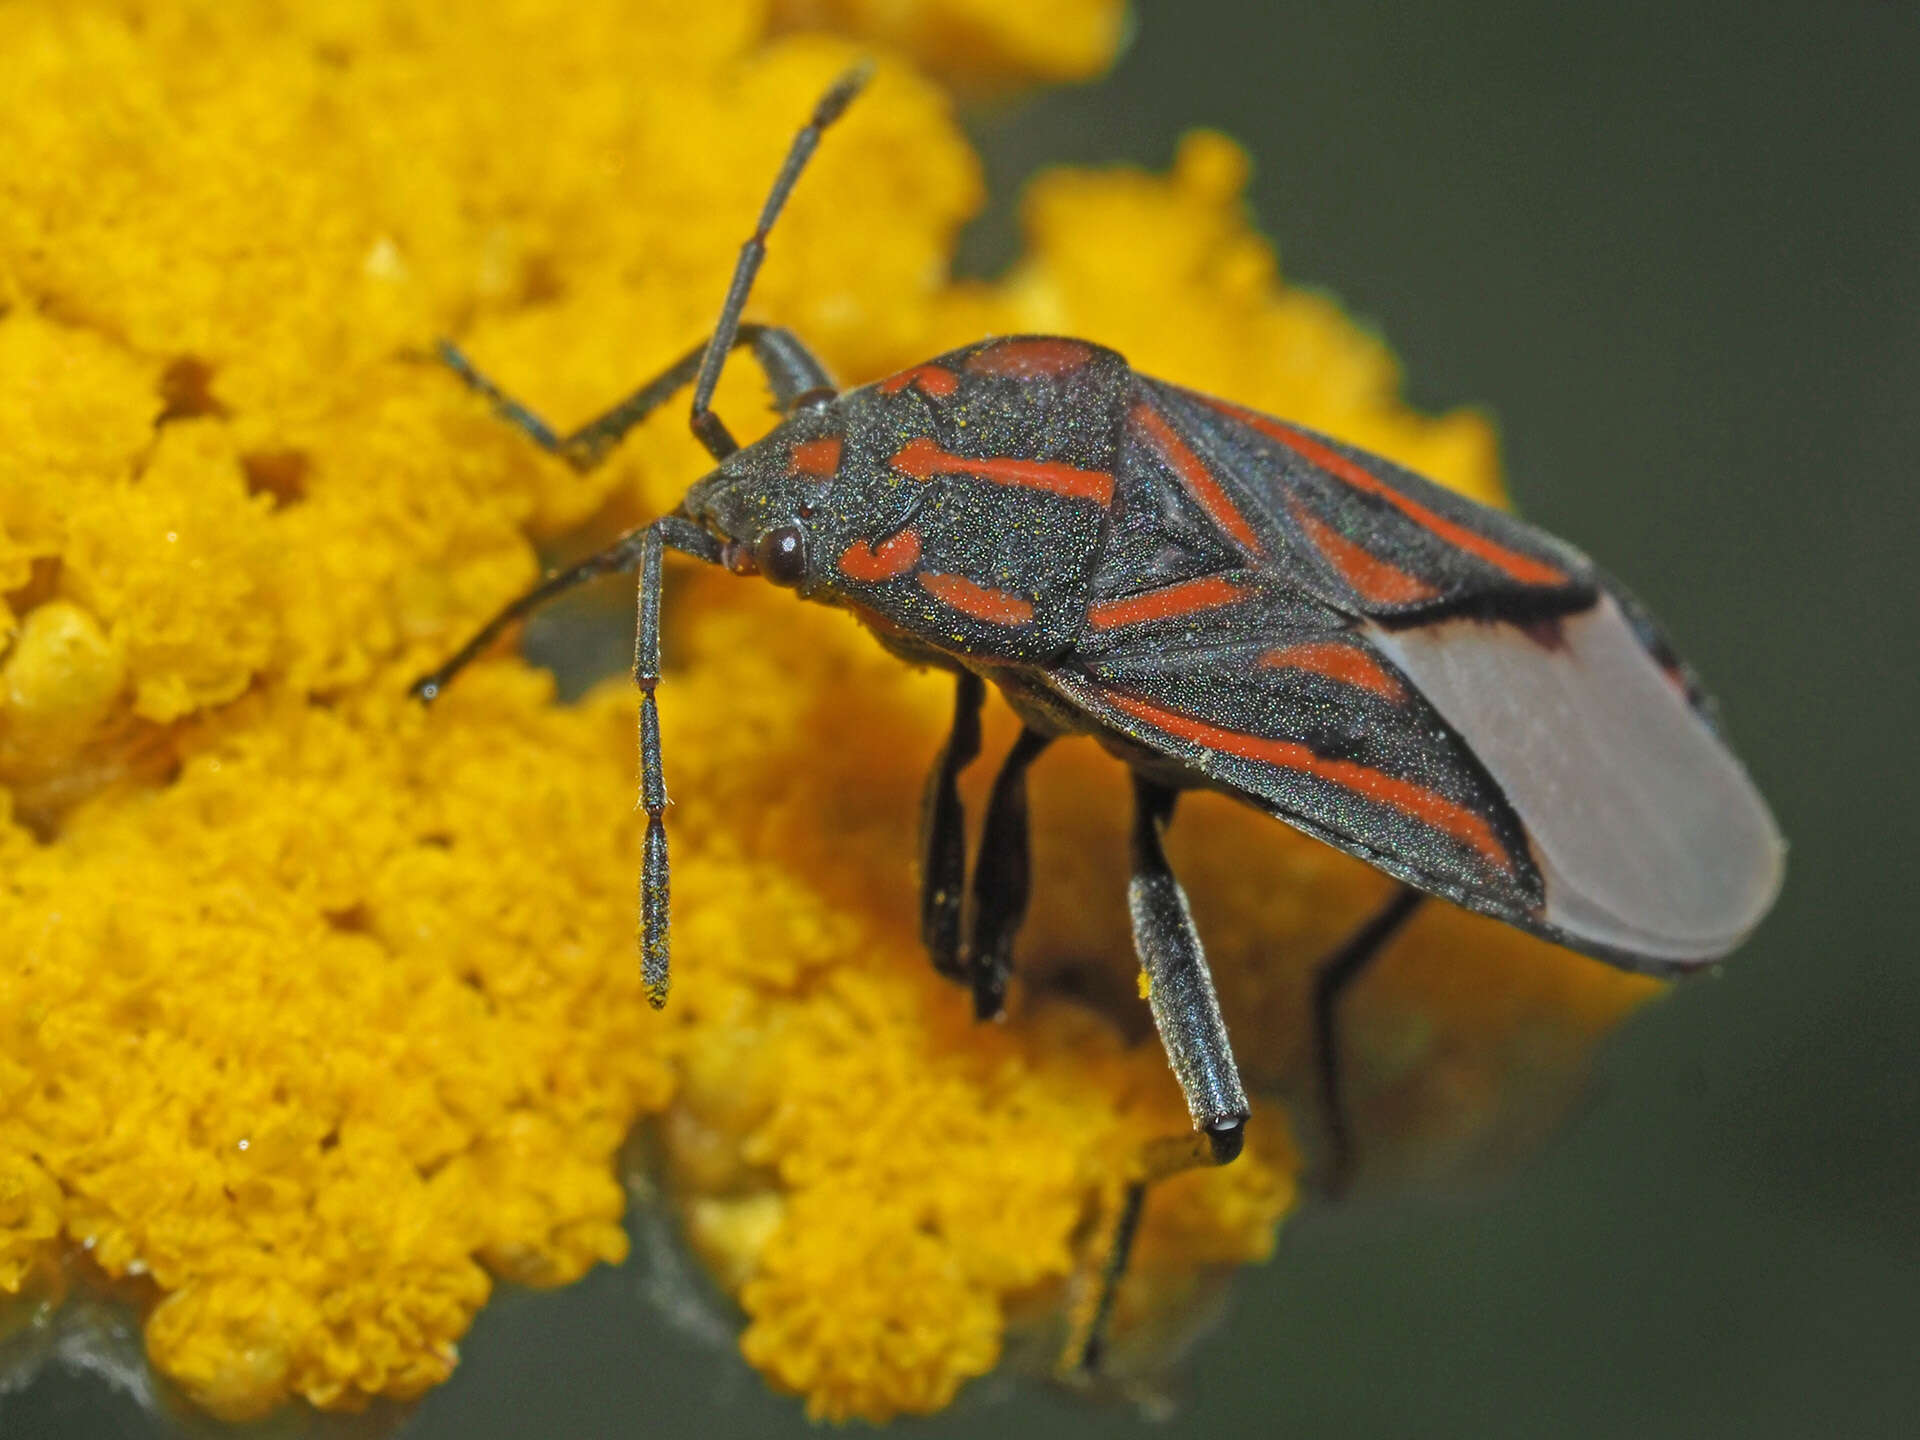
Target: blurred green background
[(1674, 248)]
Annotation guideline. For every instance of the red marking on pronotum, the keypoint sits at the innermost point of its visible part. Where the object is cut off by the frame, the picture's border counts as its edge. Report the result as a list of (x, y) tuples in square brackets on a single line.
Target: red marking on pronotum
[(930, 378), (1414, 801), (1523, 568), (863, 560), (1030, 359), (1344, 663), (817, 457), (1195, 475), (1189, 597), (1372, 577), (923, 459), (996, 607)]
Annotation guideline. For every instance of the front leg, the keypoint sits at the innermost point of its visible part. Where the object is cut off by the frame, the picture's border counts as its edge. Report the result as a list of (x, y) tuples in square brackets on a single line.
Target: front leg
[(641, 550), (943, 831)]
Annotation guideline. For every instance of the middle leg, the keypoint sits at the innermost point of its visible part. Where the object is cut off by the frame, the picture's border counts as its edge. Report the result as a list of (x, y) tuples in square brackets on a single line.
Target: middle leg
[(1002, 878), (943, 831)]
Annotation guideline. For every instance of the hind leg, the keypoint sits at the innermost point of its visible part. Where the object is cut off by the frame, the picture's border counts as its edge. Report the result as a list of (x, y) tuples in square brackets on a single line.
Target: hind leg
[(1187, 1015), (1331, 980)]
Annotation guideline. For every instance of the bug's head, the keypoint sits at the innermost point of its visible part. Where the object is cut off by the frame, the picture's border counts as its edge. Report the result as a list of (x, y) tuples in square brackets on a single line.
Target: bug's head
[(762, 501)]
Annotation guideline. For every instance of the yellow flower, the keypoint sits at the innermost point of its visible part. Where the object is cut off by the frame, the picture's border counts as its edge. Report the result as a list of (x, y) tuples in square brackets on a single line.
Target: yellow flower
[(978, 42), (316, 1010)]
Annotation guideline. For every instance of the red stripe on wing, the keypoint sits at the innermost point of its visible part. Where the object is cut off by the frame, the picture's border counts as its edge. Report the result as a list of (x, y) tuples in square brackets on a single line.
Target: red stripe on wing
[(1186, 598), (1372, 578), (1416, 802), (1207, 492), (1345, 663), (1523, 568)]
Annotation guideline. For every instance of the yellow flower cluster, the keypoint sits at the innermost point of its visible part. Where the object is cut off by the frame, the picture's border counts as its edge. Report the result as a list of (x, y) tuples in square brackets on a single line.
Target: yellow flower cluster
[(318, 1010), (977, 43)]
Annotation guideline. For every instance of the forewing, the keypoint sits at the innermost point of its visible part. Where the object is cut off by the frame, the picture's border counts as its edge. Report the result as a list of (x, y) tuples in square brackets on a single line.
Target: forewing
[(1469, 705), (1354, 529)]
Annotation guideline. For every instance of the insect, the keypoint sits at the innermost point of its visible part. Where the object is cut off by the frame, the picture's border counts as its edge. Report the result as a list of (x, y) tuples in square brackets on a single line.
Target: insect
[(1224, 601)]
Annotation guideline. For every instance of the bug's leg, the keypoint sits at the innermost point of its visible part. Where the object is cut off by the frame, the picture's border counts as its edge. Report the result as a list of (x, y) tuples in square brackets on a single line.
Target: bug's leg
[(943, 831), (1187, 1014), (1097, 1288), (796, 376), (707, 425), (643, 550), (622, 554), (654, 911), (626, 553), (1330, 981), (1002, 878), (1180, 990), (792, 372)]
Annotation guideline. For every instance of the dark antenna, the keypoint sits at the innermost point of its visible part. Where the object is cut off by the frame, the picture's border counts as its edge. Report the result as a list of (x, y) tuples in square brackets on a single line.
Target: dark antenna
[(707, 425)]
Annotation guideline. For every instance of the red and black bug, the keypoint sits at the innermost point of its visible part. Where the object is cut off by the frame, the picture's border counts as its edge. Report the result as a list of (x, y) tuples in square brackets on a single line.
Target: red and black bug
[(1223, 600)]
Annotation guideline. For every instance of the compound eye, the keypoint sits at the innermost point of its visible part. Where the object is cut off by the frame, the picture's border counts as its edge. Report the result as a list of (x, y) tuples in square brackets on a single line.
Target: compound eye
[(781, 554)]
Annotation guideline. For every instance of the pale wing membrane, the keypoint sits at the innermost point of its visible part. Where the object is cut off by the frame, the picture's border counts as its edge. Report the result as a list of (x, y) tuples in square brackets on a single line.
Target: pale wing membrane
[(1655, 847)]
